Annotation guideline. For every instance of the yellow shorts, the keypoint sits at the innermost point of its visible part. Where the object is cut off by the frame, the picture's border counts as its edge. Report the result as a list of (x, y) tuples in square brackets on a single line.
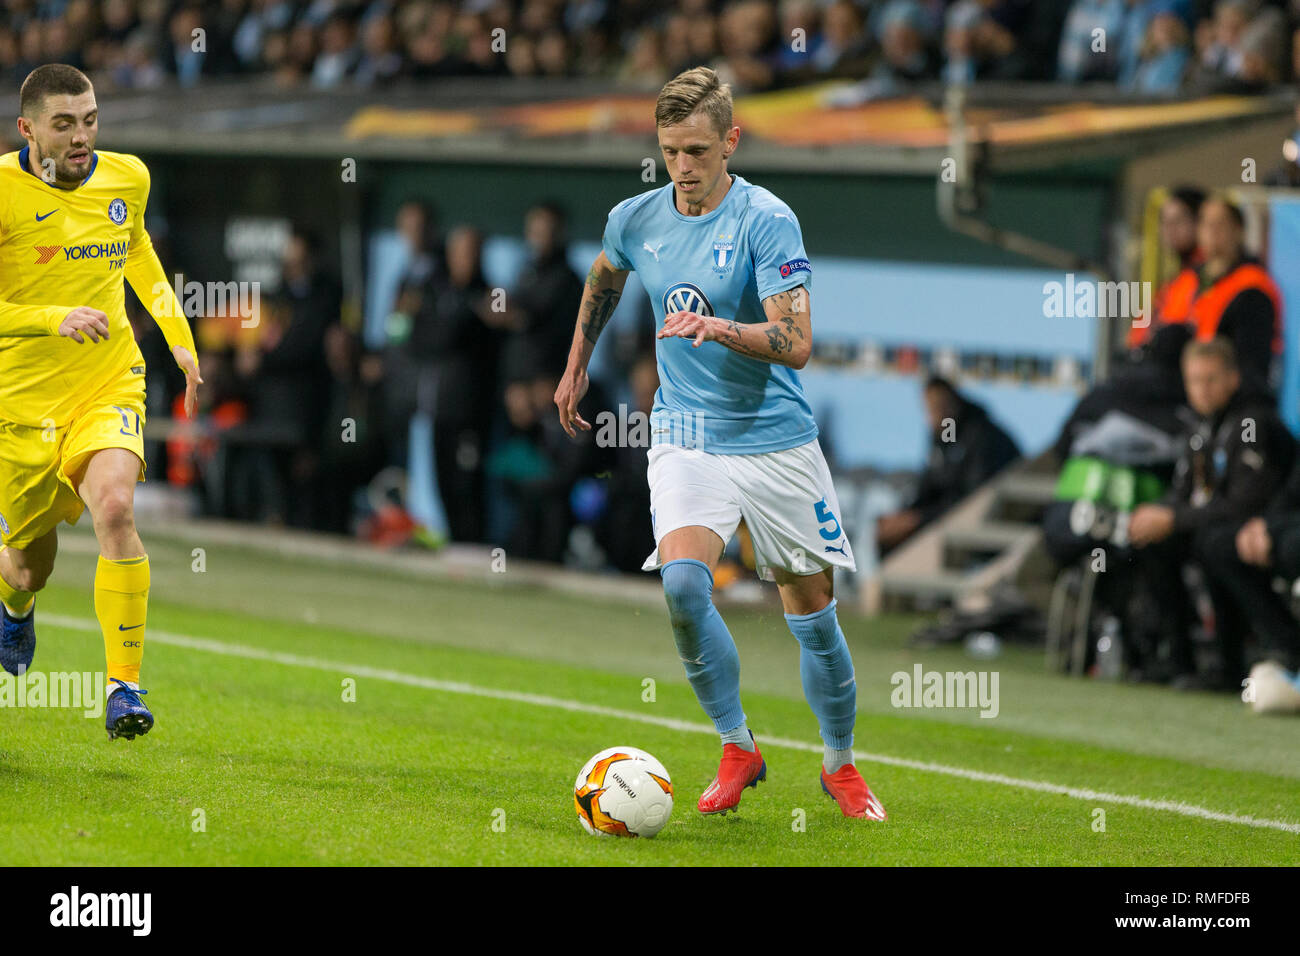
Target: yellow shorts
[(38, 466)]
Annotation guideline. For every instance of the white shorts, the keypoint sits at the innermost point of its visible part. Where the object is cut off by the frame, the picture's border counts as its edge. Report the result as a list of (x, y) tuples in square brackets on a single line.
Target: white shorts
[(785, 497)]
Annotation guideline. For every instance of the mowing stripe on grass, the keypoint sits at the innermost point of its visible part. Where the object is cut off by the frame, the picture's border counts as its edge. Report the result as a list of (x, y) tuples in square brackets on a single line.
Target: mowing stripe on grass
[(671, 723)]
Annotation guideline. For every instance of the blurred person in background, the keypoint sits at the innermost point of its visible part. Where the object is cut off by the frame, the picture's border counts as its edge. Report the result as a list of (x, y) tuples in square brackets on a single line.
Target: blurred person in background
[(906, 55), (1243, 561), (424, 264), (623, 533), (1079, 58), (554, 55), (262, 18), (286, 378), (338, 55), (798, 15), (980, 41), (1236, 456), (540, 307), (1179, 217), (457, 356), (645, 66), (905, 45), (293, 66), (380, 62), (191, 55), (536, 465), (845, 48), (1165, 52), (351, 450), (1241, 49), (966, 449), (1227, 293), (750, 47)]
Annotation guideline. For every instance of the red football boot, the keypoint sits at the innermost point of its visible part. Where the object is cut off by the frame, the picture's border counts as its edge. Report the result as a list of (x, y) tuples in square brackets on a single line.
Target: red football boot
[(739, 769), (851, 792)]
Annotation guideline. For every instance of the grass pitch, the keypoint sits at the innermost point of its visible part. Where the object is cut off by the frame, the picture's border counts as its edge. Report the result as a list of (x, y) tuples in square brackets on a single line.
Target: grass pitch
[(475, 705)]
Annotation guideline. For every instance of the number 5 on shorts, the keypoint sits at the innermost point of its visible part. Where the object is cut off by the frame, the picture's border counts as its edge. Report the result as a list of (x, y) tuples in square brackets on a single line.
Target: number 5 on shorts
[(826, 516)]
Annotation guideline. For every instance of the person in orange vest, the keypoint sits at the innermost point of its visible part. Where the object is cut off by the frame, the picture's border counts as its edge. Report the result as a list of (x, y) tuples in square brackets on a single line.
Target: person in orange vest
[(1227, 293)]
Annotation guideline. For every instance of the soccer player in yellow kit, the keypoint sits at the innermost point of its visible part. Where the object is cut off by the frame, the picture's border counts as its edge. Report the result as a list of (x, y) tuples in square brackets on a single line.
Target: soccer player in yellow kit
[(71, 375)]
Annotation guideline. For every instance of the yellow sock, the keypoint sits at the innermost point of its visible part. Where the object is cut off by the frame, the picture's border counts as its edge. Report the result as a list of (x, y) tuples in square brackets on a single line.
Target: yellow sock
[(10, 596), (121, 602)]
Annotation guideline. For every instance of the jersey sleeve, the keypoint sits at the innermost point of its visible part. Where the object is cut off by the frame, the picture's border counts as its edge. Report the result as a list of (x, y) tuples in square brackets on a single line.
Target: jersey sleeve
[(780, 262), (29, 320), (612, 241), (145, 273), (20, 319)]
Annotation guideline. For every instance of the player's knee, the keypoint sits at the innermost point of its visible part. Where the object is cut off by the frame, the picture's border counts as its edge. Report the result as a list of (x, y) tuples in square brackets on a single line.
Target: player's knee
[(688, 589), (113, 510), (30, 577)]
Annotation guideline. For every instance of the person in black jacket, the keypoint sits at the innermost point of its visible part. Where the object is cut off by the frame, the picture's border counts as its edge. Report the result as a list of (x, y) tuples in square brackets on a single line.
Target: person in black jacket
[(286, 380), (966, 449), (540, 309), (1236, 456), (1244, 558), (457, 355)]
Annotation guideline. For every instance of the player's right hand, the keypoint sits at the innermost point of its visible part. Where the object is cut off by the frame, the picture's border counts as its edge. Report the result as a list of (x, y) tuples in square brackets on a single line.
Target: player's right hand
[(84, 320), (571, 389)]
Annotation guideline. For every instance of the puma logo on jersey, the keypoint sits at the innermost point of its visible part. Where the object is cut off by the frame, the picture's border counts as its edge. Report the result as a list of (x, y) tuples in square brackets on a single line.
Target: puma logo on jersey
[(653, 251), (782, 215)]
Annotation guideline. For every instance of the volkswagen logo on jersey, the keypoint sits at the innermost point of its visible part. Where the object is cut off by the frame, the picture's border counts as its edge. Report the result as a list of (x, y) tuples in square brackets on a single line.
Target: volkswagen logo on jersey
[(686, 297), (117, 211)]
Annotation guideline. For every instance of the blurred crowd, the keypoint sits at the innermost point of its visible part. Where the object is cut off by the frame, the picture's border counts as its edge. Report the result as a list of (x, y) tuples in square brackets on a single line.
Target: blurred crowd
[(1146, 46)]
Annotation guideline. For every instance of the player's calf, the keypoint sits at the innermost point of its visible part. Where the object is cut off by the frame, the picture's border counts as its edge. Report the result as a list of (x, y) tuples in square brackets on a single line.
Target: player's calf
[(705, 646), (22, 574)]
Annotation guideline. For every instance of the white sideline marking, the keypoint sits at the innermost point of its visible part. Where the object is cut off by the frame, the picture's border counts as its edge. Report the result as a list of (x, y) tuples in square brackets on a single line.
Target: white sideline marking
[(541, 700)]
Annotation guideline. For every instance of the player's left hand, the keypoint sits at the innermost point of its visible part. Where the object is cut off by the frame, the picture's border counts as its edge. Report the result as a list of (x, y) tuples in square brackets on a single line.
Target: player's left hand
[(690, 325), (192, 378)]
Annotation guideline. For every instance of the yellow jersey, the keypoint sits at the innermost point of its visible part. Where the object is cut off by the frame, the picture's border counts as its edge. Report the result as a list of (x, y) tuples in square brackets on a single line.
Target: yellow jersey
[(65, 248)]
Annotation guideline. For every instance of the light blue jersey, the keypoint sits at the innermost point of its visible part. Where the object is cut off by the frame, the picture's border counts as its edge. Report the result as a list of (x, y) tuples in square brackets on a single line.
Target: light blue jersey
[(724, 263)]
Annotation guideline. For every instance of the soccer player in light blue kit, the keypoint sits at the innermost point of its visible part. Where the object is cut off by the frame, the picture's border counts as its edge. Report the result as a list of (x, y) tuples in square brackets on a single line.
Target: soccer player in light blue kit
[(732, 435)]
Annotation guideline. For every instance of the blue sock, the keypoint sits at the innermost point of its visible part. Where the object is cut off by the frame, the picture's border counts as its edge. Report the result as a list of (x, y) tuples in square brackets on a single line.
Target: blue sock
[(703, 642), (827, 672)]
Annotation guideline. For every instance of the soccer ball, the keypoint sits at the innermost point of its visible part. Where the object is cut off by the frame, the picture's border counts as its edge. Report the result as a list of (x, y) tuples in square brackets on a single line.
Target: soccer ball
[(623, 791)]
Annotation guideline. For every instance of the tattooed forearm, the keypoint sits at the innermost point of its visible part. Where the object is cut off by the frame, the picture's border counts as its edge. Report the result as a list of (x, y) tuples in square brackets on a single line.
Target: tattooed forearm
[(783, 339), (791, 326), (597, 312), (777, 340), (733, 337)]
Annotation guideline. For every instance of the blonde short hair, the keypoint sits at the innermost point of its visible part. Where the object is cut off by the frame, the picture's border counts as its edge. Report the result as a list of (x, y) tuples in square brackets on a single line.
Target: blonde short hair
[(691, 91)]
